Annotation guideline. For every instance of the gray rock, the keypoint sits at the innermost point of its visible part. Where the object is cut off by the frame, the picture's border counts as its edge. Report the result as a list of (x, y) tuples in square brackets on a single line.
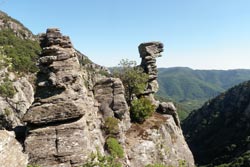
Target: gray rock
[(158, 140), (11, 151), (169, 108), (149, 52), (65, 144), (64, 122), (49, 113), (110, 91), (13, 109)]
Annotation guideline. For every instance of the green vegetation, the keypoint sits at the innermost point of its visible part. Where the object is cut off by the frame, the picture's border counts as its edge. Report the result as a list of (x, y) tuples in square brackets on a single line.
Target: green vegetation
[(33, 166), (7, 89), (181, 163), (22, 53), (132, 77), (218, 133), (111, 126), (141, 109), (98, 160), (191, 88), (156, 165), (4, 60), (114, 148)]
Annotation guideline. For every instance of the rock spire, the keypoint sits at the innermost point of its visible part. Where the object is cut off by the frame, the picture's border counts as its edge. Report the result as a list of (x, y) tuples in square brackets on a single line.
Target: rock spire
[(149, 52)]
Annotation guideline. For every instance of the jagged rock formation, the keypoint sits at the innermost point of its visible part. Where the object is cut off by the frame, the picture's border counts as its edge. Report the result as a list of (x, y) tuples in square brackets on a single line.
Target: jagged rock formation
[(11, 151), (218, 133), (65, 110), (73, 98)]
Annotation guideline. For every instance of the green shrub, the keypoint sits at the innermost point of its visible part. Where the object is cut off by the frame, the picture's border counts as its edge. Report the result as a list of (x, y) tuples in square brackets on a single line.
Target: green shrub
[(111, 126), (22, 52), (7, 89), (33, 166), (114, 148), (156, 165), (141, 109), (98, 160), (4, 60), (133, 78)]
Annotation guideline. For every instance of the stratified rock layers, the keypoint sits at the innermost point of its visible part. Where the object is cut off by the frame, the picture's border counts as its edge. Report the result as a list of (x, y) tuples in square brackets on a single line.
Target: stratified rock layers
[(149, 52), (59, 135), (65, 122)]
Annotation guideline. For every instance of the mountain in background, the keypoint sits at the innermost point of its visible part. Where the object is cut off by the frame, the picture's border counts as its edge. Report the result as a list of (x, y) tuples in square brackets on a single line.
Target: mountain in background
[(219, 132), (191, 88)]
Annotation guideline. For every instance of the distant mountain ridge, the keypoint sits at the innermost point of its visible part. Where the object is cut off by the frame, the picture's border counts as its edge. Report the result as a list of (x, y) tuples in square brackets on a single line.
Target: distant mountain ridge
[(191, 88)]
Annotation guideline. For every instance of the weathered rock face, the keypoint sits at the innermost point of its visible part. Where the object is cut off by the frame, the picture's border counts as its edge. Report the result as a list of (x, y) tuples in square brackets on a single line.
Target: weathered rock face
[(109, 92), (59, 86), (59, 135), (11, 151), (157, 140), (13, 109), (169, 108), (149, 52)]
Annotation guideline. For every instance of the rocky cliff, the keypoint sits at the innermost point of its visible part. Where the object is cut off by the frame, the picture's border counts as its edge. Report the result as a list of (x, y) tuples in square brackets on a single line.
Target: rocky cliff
[(218, 133), (78, 110)]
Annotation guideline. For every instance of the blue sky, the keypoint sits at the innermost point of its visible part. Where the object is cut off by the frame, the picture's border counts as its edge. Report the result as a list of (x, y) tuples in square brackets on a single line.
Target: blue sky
[(201, 34)]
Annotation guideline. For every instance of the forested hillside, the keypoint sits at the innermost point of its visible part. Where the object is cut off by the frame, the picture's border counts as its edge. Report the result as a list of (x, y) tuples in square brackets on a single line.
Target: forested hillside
[(191, 88), (218, 133)]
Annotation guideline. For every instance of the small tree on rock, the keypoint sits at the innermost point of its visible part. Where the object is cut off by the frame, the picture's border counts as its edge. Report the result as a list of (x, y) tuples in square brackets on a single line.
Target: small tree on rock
[(132, 77)]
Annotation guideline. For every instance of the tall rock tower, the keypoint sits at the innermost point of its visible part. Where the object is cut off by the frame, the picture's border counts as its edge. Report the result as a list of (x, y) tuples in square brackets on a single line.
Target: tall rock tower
[(62, 118), (148, 53)]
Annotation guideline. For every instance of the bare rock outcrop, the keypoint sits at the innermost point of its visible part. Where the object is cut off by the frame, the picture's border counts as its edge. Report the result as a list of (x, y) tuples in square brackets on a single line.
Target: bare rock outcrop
[(59, 86), (148, 53), (11, 151), (64, 122), (72, 101), (13, 109), (157, 141)]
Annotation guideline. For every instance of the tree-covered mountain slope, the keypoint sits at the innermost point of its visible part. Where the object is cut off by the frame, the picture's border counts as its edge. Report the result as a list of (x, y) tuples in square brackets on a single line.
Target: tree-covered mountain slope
[(19, 48), (219, 132), (191, 88)]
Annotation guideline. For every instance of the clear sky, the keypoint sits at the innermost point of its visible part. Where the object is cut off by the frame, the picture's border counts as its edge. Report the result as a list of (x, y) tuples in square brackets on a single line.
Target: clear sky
[(201, 34)]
